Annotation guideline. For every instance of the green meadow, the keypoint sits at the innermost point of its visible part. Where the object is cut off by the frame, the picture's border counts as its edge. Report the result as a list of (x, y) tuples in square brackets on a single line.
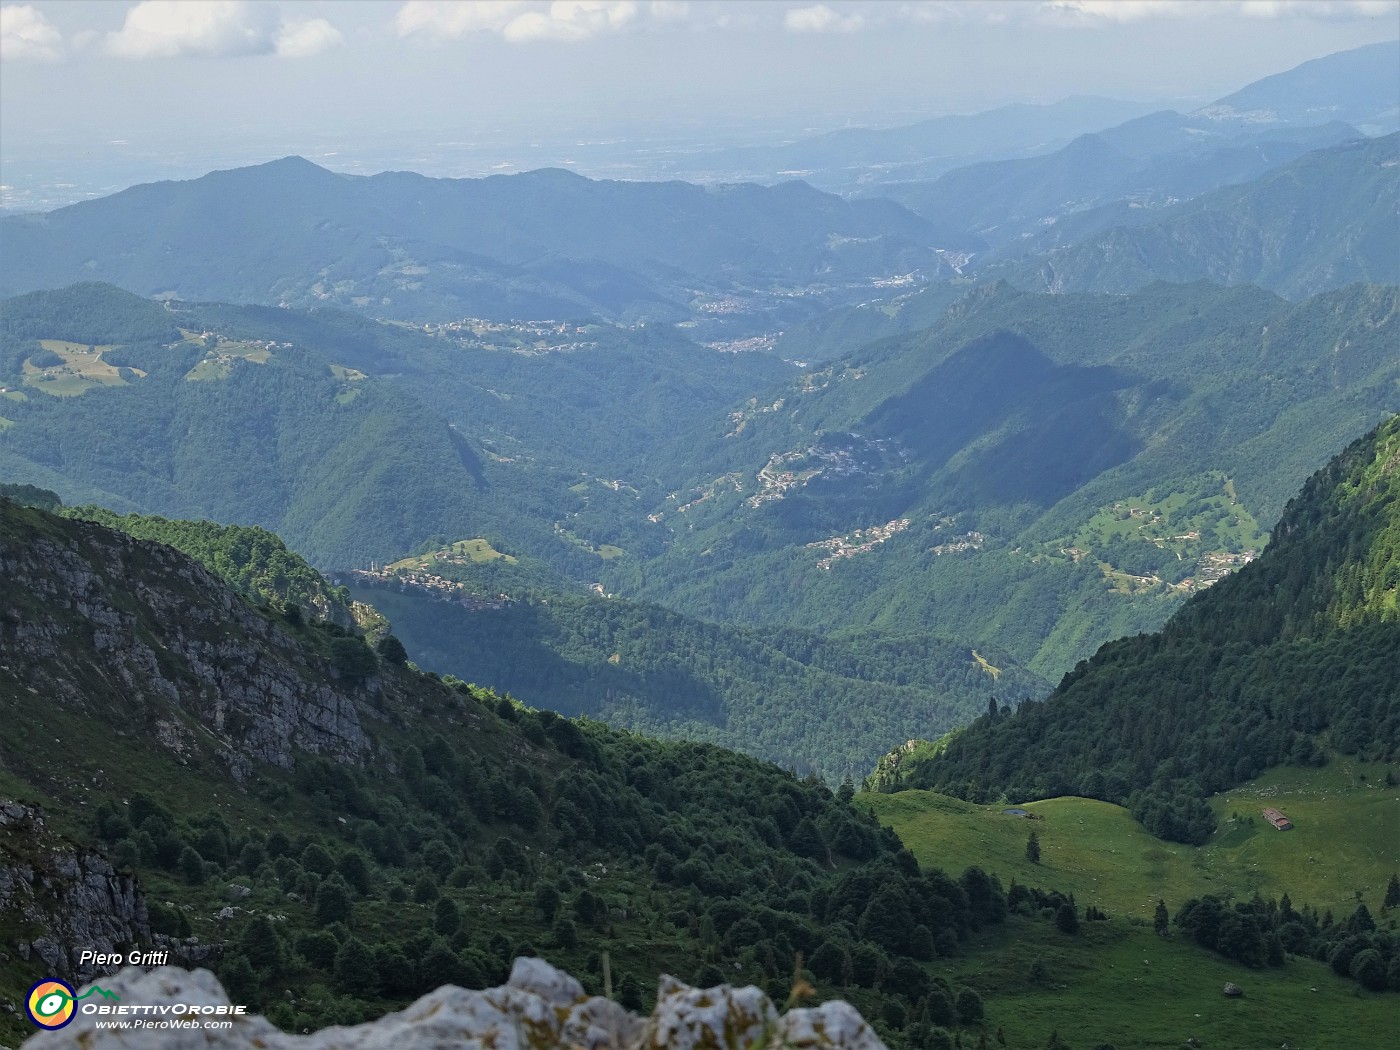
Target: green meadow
[(475, 552), (1118, 982), (82, 368), (1345, 841)]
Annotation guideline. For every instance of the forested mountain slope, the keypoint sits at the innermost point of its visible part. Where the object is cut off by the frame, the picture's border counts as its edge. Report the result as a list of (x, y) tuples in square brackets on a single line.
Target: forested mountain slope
[(354, 439), (408, 831), (1323, 221), (1293, 653), (1047, 471), (113, 400), (823, 704), (547, 243), (1360, 86), (1028, 207)]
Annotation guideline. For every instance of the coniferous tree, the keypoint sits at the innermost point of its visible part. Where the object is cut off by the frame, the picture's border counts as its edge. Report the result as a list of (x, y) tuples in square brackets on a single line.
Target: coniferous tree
[(1392, 892), (355, 971), (333, 902), (1160, 919), (1033, 848), (447, 919), (192, 866)]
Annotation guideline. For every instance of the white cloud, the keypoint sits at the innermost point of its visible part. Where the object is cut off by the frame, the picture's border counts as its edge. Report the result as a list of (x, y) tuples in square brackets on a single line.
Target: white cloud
[(820, 19), (1332, 10), (304, 39), (26, 34), (1104, 11), (1121, 10), (216, 29), (571, 20), (449, 19), (520, 22)]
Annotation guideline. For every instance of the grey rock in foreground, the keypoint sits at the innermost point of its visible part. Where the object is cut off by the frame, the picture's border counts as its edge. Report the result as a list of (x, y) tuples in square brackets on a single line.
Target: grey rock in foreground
[(538, 1008)]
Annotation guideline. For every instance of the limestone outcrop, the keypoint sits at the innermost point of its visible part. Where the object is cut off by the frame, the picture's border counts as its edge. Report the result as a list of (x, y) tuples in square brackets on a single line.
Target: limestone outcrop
[(539, 1007), (189, 663)]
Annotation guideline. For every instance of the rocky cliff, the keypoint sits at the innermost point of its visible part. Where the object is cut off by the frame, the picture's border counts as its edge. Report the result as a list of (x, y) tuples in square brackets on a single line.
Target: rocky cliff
[(58, 897), (187, 660), (538, 1008), (54, 894)]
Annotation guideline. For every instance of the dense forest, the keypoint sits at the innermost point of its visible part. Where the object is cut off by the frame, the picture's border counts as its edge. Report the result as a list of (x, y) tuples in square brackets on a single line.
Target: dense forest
[(1294, 653), (824, 704)]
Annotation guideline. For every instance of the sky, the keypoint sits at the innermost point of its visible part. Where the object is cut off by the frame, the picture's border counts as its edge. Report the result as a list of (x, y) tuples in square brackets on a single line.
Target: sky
[(106, 89)]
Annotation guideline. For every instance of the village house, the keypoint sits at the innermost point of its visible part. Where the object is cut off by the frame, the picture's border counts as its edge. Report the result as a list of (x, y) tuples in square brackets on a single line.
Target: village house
[(1277, 819)]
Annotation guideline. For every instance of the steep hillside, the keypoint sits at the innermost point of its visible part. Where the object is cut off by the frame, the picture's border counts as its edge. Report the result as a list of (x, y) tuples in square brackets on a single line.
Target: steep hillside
[(355, 439), (251, 560), (829, 705), (1293, 653), (542, 244), (331, 822), (1323, 221), (1360, 86), (1029, 206), (116, 400), (1048, 472)]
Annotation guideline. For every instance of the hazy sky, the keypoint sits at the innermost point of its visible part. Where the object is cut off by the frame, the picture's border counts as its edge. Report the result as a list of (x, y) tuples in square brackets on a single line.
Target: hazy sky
[(78, 75)]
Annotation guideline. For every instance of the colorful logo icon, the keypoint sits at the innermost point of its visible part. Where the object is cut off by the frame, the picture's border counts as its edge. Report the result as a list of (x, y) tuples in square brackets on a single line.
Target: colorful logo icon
[(50, 1003)]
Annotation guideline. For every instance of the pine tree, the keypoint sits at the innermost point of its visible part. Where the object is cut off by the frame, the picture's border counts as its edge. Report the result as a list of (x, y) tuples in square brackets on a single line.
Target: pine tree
[(355, 971), (1033, 848), (1160, 919), (447, 919), (263, 948), (846, 791), (192, 866), (1392, 892), (333, 902)]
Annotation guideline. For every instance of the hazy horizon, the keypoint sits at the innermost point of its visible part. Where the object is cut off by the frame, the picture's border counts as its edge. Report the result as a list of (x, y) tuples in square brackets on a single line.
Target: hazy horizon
[(95, 96)]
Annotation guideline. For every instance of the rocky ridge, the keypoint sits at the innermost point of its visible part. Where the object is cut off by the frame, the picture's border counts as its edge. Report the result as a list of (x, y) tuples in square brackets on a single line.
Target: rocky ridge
[(539, 1007), (189, 660)]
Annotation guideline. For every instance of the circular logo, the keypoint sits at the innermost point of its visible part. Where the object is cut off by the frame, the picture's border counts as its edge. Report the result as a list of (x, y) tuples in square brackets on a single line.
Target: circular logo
[(50, 1003)]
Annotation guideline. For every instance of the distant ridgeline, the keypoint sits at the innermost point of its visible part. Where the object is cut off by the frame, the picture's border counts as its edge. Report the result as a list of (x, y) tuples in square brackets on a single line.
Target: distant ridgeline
[(1296, 651)]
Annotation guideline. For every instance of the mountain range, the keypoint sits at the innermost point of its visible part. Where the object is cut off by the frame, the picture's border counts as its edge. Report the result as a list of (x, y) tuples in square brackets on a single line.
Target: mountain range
[(547, 243), (404, 576)]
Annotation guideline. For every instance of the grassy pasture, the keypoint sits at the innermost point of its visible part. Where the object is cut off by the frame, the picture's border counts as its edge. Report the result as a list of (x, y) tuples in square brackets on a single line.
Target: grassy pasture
[(218, 362), (1119, 983), (1184, 532), (1346, 839), (475, 552), (606, 551), (82, 369)]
